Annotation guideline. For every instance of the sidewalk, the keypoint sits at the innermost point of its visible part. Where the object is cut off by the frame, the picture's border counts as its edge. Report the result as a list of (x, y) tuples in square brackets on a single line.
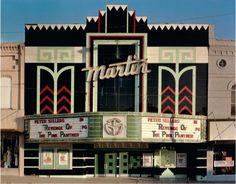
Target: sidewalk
[(97, 180)]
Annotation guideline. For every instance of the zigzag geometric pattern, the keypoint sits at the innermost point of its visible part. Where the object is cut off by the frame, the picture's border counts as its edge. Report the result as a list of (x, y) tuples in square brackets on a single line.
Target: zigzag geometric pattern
[(185, 100), (168, 100), (46, 100), (63, 102)]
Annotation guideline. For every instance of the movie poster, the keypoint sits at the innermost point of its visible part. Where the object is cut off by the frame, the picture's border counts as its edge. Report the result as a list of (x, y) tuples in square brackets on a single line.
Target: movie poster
[(47, 158), (63, 157)]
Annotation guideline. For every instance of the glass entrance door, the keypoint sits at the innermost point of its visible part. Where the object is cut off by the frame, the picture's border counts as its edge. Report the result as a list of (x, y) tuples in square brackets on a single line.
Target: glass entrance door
[(123, 163), (110, 164), (116, 164)]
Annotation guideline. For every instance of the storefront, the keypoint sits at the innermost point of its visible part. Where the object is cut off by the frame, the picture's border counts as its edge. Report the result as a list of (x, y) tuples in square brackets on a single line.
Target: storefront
[(116, 100), (221, 151), (104, 144), (9, 150)]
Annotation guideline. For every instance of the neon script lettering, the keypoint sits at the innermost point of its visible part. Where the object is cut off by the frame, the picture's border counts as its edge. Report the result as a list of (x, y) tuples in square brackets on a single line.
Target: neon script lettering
[(129, 67)]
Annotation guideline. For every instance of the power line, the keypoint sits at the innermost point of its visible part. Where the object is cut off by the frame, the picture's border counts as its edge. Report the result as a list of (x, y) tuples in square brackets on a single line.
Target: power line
[(175, 20), (203, 17)]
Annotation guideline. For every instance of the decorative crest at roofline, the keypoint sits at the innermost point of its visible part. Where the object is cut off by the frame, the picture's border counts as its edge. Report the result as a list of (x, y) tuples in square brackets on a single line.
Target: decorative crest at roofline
[(175, 26), (143, 18), (53, 26), (123, 7)]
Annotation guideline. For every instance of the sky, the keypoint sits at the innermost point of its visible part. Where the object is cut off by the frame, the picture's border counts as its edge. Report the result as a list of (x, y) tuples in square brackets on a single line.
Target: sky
[(16, 13)]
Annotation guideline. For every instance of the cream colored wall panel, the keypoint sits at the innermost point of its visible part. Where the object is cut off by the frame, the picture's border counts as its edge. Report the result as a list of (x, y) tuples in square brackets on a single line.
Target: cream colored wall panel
[(177, 54), (55, 54), (222, 130)]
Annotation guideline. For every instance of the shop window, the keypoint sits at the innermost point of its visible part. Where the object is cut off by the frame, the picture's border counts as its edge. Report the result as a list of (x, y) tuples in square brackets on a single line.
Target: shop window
[(233, 90), (6, 92), (55, 158), (9, 150), (224, 158)]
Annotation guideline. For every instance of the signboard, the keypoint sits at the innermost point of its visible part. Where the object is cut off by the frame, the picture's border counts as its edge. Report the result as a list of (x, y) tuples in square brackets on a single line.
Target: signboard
[(147, 160), (181, 160), (224, 163), (59, 128), (171, 129), (114, 126)]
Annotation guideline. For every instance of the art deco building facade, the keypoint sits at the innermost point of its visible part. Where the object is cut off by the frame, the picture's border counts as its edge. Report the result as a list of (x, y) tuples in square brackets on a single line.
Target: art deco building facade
[(117, 97)]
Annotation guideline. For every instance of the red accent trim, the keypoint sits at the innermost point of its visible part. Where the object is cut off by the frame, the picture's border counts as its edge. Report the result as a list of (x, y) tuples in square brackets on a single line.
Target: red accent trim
[(168, 108), (46, 88), (185, 88), (64, 88), (98, 21), (92, 38), (168, 88), (168, 98), (185, 98), (46, 108), (142, 91), (134, 23), (114, 37), (185, 108), (63, 108), (46, 98), (63, 98)]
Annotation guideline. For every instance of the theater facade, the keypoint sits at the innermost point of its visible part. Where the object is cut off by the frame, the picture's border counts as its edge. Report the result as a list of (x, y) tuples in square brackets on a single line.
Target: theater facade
[(116, 97)]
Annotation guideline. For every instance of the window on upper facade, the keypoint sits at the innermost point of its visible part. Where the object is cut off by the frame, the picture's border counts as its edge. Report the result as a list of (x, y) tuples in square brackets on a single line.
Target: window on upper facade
[(116, 94), (233, 90), (6, 92)]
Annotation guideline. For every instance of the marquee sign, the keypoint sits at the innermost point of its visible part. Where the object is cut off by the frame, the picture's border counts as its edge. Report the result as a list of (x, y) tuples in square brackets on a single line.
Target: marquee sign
[(59, 128), (171, 129), (129, 67)]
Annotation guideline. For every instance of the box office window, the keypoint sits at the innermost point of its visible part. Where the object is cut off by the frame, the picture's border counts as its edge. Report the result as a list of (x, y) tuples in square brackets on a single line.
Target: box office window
[(55, 158)]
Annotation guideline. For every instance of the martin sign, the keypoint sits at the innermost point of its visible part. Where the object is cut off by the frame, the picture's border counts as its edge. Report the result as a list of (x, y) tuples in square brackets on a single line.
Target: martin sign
[(127, 68)]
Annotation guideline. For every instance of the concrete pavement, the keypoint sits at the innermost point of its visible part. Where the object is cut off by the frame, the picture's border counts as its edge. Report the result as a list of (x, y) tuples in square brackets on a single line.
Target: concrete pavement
[(97, 180)]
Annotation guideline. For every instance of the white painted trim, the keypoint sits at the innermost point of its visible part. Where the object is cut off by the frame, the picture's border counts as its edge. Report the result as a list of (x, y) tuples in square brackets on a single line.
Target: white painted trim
[(180, 26), (102, 12), (117, 6), (138, 18), (131, 12), (59, 26), (89, 18)]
